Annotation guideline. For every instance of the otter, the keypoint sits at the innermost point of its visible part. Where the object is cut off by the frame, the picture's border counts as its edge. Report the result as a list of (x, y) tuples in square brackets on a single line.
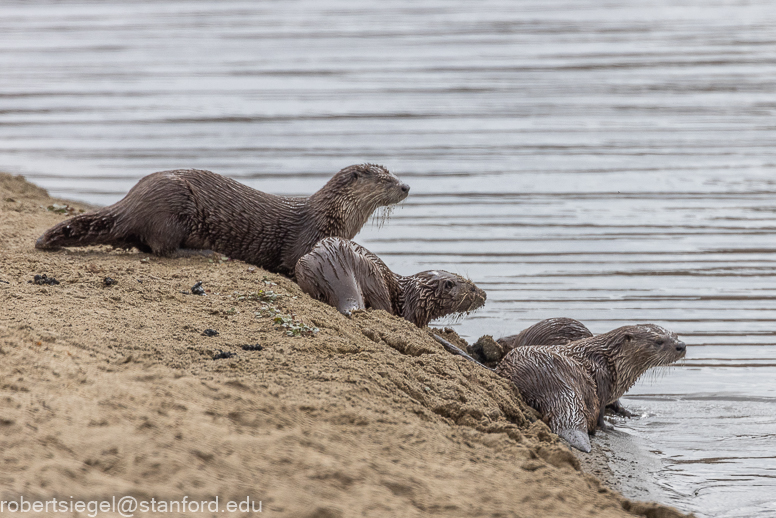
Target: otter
[(572, 384), (556, 331), (551, 331), (347, 276), (197, 209)]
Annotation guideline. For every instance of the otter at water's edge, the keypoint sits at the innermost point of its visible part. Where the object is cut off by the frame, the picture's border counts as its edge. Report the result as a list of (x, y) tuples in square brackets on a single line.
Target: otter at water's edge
[(197, 209), (349, 277), (550, 331), (572, 384), (555, 331)]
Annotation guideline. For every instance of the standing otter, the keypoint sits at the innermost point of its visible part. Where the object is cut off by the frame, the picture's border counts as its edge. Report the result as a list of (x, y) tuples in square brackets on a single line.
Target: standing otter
[(572, 384), (348, 276), (197, 209)]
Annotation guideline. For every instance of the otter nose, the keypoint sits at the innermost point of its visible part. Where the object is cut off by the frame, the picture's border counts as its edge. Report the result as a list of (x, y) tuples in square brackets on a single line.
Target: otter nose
[(680, 347), (405, 188)]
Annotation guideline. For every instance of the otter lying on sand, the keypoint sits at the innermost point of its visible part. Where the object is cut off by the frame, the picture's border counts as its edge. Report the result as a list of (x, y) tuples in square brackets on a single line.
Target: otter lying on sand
[(572, 384), (197, 209), (348, 276)]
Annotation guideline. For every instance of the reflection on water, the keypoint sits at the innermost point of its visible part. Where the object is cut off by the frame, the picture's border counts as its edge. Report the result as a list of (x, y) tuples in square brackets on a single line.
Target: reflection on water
[(611, 162)]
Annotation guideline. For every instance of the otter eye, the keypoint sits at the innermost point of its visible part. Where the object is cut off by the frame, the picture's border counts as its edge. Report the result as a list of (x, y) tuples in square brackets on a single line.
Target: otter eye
[(659, 341), (449, 285)]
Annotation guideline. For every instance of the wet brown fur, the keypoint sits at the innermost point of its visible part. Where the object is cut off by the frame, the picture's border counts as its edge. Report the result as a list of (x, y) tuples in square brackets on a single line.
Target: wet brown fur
[(571, 384), (349, 277), (551, 331), (197, 209), (555, 331)]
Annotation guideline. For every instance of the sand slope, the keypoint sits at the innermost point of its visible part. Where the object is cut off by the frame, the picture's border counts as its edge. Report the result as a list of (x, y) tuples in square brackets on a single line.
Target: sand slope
[(113, 390)]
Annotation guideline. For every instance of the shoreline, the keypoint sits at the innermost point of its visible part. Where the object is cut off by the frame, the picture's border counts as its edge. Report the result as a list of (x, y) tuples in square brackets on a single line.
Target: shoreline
[(113, 389), (620, 461)]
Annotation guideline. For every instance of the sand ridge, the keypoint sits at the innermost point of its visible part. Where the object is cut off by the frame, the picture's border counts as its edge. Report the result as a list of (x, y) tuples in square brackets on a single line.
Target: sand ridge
[(113, 390)]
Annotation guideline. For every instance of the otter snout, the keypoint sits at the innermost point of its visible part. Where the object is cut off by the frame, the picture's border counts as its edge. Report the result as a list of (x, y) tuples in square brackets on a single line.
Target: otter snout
[(398, 191), (675, 348)]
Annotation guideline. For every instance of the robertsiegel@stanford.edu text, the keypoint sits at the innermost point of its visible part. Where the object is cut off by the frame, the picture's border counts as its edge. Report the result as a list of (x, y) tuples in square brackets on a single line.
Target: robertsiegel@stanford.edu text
[(126, 506)]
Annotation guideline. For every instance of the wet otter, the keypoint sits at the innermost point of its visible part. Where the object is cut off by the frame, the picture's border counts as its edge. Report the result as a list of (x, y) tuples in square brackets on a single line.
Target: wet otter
[(571, 384), (551, 331), (348, 276), (197, 209), (555, 331)]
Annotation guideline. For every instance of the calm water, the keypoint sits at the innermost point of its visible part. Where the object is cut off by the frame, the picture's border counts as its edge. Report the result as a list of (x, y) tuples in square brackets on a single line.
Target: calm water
[(609, 161)]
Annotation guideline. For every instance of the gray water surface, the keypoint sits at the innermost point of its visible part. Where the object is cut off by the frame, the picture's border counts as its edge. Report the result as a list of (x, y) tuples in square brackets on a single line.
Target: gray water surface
[(608, 161)]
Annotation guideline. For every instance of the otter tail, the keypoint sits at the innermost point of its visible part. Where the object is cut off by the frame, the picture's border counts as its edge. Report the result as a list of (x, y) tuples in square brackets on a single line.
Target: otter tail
[(92, 228), (456, 350), (579, 439)]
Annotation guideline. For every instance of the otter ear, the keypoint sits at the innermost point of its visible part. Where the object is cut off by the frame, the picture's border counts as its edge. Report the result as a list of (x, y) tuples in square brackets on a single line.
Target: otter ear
[(355, 174), (627, 338), (449, 284)]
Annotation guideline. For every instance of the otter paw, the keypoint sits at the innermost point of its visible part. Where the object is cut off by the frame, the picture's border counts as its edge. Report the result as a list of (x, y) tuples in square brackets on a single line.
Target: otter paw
[(617, 409)]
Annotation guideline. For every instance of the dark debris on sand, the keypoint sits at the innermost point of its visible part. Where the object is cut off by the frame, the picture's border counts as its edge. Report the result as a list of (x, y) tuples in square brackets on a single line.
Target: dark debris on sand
[(43, 279)]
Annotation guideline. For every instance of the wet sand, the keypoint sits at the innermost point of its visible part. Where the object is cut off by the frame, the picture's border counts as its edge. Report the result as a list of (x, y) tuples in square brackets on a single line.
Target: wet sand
[(114, 390), (623, 465)]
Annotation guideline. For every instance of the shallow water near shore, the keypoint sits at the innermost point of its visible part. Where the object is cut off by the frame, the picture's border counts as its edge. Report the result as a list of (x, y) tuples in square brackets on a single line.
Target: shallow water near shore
[(611, 162)]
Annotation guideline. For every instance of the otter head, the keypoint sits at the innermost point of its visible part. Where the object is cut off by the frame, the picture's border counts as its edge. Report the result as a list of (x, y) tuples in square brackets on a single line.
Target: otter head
[(354, 193), (437, 293), (638, 348)]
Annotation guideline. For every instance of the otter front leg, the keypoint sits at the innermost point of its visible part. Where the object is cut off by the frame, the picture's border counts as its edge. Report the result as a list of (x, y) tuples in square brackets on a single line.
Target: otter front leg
[(603, 425), (617, 409), (348, 294)]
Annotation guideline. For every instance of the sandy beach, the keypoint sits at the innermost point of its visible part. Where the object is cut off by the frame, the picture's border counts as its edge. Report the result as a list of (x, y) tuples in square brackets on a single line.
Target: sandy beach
[(111, 389)]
